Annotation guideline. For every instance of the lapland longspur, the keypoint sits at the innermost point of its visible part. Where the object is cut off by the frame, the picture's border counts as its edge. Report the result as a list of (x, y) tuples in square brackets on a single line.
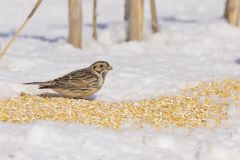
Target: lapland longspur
[(80, 83)]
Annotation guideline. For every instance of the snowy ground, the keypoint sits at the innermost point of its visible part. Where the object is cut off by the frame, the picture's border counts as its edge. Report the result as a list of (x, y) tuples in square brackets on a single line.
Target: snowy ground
[(195, 44)]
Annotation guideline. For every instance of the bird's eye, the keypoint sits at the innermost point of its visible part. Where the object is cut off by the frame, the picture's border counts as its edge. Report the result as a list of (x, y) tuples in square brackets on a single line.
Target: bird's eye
[(101, 66)]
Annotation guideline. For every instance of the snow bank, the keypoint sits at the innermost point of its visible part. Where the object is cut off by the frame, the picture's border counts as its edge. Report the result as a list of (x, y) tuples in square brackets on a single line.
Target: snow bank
[(195, 44)]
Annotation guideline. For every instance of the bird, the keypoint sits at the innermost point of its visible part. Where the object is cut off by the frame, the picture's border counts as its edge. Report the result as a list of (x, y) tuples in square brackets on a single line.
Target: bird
[(79, 83)]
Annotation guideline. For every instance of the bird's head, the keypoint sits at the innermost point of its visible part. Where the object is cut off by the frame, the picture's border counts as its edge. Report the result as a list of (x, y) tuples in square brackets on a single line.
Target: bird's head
[(101, 67)]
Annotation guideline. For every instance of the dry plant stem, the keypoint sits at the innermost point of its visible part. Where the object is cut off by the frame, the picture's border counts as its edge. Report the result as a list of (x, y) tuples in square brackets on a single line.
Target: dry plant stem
[(135, 22), (4, 51), (232, 12), (94, 35), (75, 23), (154, 19), (126, 10)]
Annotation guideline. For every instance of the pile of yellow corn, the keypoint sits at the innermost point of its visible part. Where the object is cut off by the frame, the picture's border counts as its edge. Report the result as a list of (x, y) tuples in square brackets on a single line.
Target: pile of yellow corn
[(193, 107)]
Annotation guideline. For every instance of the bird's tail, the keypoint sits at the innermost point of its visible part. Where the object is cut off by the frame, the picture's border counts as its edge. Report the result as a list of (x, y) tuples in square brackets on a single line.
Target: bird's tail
[(36, 83), (42, 85)]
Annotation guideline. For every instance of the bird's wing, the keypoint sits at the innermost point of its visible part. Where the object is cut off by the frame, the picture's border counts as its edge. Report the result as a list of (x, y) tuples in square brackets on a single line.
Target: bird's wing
[(79, 78)]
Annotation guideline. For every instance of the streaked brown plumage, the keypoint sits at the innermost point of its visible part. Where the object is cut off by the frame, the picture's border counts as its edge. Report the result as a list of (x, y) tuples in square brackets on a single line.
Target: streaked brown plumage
[(80, 83)]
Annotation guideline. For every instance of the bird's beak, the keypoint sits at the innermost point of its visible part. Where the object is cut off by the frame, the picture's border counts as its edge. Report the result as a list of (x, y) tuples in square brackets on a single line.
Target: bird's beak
[(110, 68)]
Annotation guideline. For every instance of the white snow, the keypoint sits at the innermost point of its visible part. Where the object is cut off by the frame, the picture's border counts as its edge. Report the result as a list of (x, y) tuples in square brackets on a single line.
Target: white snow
[(195, 44)]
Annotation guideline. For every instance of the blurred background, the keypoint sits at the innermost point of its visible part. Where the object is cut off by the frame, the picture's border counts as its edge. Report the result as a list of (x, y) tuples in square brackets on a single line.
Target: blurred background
[(154, 46)]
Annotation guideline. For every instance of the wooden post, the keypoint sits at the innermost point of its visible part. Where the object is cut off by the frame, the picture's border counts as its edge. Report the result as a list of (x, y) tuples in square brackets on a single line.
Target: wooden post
[(94, 34), (135, 22), (154, 19), (75, 23), (232, 12)]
